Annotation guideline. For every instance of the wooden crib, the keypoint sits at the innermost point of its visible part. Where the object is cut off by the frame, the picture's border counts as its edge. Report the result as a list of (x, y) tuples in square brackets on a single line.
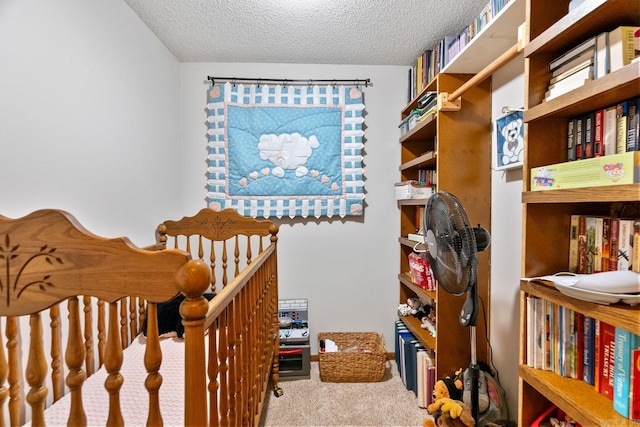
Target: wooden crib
[(72, 306)]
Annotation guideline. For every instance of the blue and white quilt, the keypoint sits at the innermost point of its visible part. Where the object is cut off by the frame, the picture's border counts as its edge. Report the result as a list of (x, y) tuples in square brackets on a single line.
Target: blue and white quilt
[(286, 150)]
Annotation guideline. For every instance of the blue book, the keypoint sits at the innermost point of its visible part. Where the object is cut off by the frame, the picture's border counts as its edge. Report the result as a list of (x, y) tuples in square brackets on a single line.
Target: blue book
[(625, 343), (588, 350), (403, 336)]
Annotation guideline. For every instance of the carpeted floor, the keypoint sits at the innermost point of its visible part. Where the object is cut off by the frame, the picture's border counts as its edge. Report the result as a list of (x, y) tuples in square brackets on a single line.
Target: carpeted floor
[(315, 403)]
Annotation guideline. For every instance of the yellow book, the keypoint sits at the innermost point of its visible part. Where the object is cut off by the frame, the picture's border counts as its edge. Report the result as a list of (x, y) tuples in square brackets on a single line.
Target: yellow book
[(621, 47)]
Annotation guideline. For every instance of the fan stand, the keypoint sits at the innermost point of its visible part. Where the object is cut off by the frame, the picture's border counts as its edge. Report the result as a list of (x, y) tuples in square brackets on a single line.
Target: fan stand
[(469, 317)]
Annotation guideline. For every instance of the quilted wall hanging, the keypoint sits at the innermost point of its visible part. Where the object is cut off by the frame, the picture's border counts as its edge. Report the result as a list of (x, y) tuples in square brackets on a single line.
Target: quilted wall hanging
[(286, 150)]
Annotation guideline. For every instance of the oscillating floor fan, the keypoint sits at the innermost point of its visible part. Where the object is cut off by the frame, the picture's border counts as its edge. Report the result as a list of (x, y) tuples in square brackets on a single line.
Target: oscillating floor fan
[(452, 247)]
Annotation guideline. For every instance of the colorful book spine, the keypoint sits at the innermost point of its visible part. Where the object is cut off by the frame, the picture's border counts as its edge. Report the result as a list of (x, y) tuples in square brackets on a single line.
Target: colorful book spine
[(598, 133), (634, 392), (625, 237), (573, 243), (607, 358), (588, 350), (613, 243), (626, 342), (606, 243)]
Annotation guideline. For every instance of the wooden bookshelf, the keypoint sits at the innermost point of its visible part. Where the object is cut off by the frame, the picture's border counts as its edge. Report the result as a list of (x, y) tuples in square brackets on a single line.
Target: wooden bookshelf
[(552, 30)]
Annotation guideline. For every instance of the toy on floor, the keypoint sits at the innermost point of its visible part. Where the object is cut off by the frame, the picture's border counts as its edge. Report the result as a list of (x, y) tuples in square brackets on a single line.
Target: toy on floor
[(449, 413), (492, 405)]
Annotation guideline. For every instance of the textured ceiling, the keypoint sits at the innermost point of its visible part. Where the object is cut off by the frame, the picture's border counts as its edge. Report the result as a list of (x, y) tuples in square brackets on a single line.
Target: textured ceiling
[(371, 32)]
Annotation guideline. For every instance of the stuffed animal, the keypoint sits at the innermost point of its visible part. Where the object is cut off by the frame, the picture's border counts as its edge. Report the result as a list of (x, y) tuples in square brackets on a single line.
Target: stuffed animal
[(449, 413), (448, 388)]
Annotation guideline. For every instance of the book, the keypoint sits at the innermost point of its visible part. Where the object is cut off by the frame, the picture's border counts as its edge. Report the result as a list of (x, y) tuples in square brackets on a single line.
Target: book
[(582, 245), (550, 336), (606, 356), (632, 123), (586, 46), (635, 250), (597, 254), (531, 330), (621, 47), (606, 243), (568, 84), (610, 131), (588, 349), (590, 223), (625, 240), (614, 230), (626, 342), (573, 243), (580, 67), (621, 127), (571, 136), (598, 133), (601, 55), (634, 386), (588, 136), (579, 138)]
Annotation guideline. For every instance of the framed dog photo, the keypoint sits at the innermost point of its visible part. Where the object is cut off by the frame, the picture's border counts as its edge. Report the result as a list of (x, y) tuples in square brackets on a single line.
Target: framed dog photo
[(509, 139)]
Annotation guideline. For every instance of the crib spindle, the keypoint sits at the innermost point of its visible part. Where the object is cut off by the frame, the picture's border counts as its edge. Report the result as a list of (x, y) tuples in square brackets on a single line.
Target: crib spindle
[(88, 335), (36, 371), (231, 356), (212, 372), (223, 368), (57, 380), (4, 392), (14, 387), (101, 332), (74, 357), (152, 361), (113, 363)]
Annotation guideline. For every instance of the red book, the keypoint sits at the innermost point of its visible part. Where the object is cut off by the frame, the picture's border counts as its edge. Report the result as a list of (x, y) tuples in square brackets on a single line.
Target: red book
[(613, 243), (607, 358), (634, 398), (598, 133)]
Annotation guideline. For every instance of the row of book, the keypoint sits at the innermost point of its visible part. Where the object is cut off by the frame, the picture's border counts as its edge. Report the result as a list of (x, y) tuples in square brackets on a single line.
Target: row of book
[(573, 345), (431, 61), (594, 58), (601, 243), (611, 130), (416, 365)]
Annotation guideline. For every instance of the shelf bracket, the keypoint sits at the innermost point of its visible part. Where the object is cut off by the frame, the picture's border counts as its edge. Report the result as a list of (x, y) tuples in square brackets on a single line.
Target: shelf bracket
[(445, 105)]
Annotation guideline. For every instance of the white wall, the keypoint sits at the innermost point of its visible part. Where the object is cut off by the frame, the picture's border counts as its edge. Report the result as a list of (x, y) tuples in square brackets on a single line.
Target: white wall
[(347, 268), (89, 116), (506, 239)]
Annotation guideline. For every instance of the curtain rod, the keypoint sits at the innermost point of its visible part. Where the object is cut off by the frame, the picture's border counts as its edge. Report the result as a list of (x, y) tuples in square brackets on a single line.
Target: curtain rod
[(333, 82)]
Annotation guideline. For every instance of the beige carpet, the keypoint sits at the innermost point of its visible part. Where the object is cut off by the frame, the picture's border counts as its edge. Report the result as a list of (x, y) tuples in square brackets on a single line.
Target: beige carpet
[(315, 403)]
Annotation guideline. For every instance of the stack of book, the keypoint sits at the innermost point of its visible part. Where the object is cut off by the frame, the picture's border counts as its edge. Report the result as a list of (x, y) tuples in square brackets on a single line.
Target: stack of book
[(416, 365), (594, 58), (572, 69)]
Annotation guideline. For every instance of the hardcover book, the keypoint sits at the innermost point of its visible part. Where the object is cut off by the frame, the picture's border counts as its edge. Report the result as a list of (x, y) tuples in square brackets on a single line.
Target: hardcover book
[(626, 342), (621, 47), (607, 358)]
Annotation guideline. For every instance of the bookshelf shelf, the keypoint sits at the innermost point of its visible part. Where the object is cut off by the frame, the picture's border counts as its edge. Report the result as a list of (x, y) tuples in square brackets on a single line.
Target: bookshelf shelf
[(552, 31), (617, 193), (590, 409), (494, 39), (426, 160)]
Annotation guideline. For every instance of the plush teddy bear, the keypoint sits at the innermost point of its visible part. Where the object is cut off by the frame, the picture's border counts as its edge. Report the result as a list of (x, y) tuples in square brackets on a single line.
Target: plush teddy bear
[(449, 413)]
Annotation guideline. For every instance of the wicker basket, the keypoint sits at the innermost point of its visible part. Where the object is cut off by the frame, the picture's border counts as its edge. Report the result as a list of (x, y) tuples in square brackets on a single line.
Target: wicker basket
[(353, 367)]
